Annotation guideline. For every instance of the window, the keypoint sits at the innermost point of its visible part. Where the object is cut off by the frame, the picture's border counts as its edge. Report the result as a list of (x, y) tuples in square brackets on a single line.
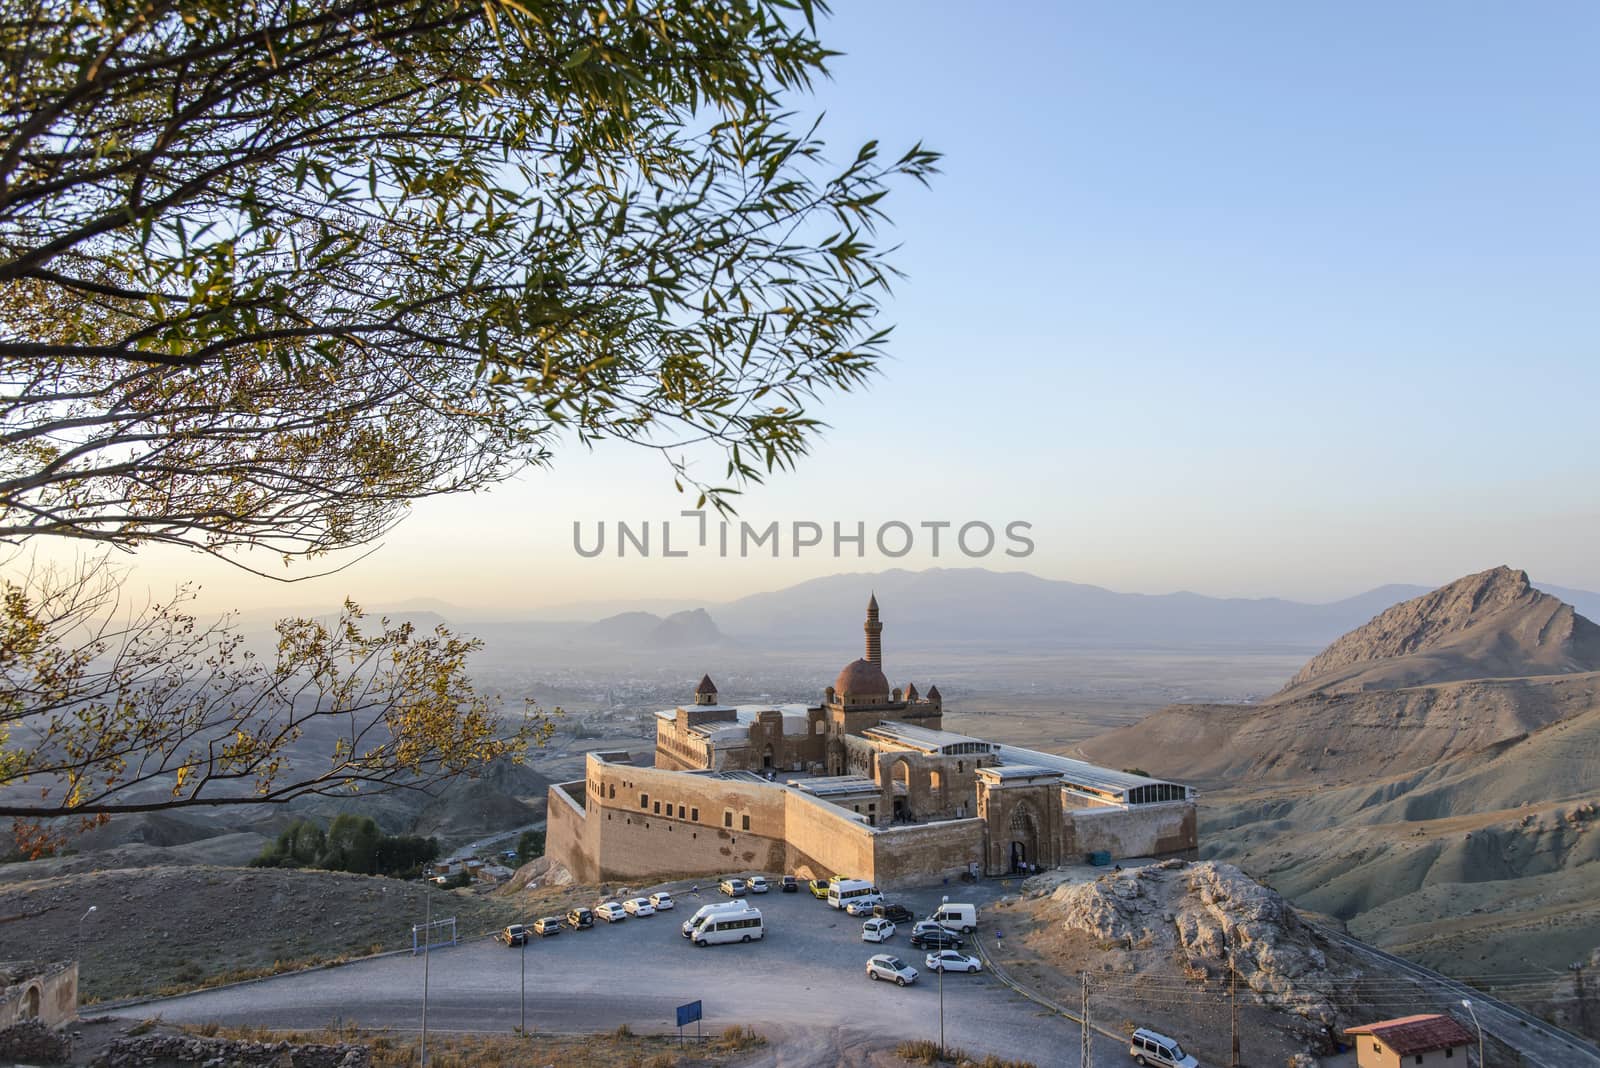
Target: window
[(658, 808), (680, 812), (613, 794), (1419, 1059), (694, 814), (727, 818), (644, 800), (746, 826), (1449, 1051), (961, 765)]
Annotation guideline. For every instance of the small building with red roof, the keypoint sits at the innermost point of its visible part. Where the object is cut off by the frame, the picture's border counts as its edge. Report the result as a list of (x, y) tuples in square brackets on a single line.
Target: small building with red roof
[(1429, 1039)]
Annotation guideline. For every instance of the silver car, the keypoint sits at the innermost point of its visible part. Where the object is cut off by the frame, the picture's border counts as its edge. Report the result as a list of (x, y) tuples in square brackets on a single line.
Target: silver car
[(887, 966)]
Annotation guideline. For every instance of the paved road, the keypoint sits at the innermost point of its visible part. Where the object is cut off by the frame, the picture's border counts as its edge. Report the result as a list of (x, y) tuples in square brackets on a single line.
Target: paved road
[(1537, 1041), (807, 975)]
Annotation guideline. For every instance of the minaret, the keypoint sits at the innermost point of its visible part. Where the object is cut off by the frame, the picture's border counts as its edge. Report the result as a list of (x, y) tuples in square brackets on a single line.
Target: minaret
[(874, 631)]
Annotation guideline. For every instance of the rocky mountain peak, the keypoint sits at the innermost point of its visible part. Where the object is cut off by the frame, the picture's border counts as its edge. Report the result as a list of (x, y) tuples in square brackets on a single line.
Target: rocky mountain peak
[(1493, 623)]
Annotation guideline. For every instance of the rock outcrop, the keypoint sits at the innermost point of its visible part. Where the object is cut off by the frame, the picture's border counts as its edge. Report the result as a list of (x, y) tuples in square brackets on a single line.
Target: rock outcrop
[(1205, 914), (539, 872)]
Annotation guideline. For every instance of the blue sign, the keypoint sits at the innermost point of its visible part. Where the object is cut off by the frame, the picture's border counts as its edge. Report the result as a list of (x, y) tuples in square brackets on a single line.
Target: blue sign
[(688, 1014)]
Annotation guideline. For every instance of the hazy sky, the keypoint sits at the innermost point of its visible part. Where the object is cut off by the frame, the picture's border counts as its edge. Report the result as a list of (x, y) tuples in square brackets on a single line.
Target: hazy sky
[(1241, 298)]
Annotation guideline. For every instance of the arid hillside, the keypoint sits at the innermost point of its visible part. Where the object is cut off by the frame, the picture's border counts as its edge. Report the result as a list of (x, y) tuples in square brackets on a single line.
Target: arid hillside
[(1432, 779), (1490, 625), (166, 929), (1482, 662)]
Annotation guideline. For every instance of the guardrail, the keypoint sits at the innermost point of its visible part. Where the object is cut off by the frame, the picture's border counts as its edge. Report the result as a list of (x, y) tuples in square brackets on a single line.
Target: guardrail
[(1570, 1044)]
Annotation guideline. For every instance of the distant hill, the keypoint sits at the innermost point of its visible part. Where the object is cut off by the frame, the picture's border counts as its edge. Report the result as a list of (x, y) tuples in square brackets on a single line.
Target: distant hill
[(1457, 669), (645, 630), (1023, 610), (1430, 777), (1493, 624)]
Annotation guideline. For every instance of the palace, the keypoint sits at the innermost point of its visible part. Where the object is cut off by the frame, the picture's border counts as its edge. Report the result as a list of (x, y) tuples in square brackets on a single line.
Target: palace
[(867, 783)]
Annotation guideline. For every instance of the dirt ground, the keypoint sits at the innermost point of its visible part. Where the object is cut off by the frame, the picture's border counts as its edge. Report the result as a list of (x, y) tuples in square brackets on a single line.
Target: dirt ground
[(734, 1047), (164, 930), (619, 1049)]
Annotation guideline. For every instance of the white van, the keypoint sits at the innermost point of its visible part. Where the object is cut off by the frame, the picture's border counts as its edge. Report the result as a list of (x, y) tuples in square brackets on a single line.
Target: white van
[(1152, 1047), (952, 917), (742, 926), (840, 893), (706, 910)]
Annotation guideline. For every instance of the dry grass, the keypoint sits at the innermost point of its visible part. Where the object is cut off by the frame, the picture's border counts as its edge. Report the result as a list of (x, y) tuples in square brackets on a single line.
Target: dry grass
[(926, 1051), (166, 930), (622, 1047)]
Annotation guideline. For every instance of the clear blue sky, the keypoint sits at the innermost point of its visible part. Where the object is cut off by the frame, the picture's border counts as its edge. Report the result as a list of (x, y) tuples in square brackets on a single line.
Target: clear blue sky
[(1244, 298)]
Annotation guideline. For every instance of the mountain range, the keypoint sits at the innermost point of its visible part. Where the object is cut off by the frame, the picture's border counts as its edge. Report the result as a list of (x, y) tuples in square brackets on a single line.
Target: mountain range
[(1430, 778), (939, 606)]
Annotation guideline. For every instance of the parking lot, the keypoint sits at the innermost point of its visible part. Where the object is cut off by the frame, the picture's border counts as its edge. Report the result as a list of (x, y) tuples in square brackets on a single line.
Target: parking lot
[(806, 977)]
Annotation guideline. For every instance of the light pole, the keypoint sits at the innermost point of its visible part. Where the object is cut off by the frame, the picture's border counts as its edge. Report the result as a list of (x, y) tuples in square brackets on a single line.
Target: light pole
[(1468, 1005), (522, 958), (92, 910), (427, 935), (944, 900)]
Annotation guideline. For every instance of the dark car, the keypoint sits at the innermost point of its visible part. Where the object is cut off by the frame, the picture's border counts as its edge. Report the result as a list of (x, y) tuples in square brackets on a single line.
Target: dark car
[(580, 919), (789, 885), (939, 939), (891, 911)]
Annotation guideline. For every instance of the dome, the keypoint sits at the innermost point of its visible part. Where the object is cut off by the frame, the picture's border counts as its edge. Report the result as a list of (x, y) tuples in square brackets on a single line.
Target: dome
[(861, 678)]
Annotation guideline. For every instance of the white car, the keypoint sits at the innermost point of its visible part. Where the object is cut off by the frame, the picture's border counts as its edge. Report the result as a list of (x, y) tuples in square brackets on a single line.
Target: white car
[(610, 911), (948, 960), (862, 906), (639, 906), (884, 966), (877, 930), (757, 884), (662, 901)]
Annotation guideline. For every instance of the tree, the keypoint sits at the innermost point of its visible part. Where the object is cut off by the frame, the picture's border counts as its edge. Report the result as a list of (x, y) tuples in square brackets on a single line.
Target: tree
[(160, 713), (298, 845), (530, 846), (352, 844), (271, 271)]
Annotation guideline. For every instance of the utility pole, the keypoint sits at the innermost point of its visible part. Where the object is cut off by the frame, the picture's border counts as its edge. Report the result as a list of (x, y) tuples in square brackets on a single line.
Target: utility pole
[(1577, 992), (1083, 1016), (1233, 1003), (427, 934)]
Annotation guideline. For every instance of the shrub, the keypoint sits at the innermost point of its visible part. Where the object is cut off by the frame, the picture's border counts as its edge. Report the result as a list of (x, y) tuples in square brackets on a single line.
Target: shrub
[(530, 846)]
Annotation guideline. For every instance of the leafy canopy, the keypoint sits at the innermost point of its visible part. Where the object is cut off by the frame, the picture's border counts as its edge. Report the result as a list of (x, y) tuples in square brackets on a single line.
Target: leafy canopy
[(271, 269)]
